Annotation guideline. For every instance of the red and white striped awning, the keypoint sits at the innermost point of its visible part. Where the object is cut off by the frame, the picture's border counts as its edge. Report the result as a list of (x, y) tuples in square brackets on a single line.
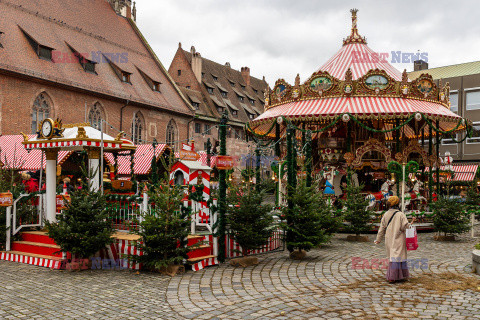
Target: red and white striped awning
[(142, 159), (462, 172), (203, 159), (358, 106), (360, 59), (15, 156)]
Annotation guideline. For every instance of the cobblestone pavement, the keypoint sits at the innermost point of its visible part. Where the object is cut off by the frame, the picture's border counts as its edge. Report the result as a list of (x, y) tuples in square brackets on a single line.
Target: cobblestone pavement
[(323, 286)]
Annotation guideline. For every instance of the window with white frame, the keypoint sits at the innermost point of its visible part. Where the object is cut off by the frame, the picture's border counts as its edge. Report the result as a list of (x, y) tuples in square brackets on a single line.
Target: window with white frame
[(454, 102), (472, 100), (448, 138), (475, 133)]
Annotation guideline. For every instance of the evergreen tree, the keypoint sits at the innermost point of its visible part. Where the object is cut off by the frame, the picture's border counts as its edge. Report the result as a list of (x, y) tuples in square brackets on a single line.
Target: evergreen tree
[(450, 216), (84, 228), (311, 220), (357, 214), (249, 219), (163, 230)]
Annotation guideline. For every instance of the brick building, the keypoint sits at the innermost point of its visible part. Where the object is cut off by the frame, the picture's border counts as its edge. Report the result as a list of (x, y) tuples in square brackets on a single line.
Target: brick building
[(82, 61), (464, 80), (213, 88)]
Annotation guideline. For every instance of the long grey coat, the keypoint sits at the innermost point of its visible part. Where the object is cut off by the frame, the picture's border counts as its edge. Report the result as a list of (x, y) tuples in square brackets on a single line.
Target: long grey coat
[(395, 239)]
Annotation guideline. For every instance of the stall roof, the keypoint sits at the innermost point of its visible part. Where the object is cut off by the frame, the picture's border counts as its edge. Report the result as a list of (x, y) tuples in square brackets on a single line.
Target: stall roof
[(142, 159)]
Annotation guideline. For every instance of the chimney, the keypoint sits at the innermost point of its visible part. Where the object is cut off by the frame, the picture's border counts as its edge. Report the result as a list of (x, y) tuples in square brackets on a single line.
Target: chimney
[(196, 63), (246, 75), (420, 65), (227, 64)]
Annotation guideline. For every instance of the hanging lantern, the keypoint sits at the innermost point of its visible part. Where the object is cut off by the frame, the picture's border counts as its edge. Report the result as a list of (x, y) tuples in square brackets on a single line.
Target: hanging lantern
[(346, 117), (279, 120), (418, 116)]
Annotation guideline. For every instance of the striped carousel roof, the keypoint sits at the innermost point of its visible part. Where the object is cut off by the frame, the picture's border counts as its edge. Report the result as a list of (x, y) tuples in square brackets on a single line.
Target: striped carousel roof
[(360, 59)]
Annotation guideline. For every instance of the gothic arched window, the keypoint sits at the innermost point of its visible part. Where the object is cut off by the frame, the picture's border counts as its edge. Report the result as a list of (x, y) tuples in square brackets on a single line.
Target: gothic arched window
[(95, 116), (171, 133), (138, 127), (40, 110)]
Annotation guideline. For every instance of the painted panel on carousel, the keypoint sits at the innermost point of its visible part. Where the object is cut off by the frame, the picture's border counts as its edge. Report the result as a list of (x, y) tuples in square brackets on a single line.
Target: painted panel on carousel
[(425, 85), (321, 84), (376, 82)]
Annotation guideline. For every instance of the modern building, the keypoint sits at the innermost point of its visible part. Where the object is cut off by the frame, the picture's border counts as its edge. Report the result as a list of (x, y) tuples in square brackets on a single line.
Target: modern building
[(213, 88), (464, 80), (82, 61)]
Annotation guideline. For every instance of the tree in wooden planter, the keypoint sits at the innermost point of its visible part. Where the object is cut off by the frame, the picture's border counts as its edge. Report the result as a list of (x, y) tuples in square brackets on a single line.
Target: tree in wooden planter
[(163, 230), (311, 221), (356, 212), (451, 217), (84, 228), (249, 219)]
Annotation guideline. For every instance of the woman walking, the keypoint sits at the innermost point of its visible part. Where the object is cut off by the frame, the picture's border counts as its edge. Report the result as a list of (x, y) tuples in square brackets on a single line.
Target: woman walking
[(393, 226)]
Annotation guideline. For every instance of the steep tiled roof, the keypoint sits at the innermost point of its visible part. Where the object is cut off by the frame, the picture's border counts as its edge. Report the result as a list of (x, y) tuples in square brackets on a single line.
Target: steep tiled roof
[(231, 81), (456, 70), (196, 97), (90, 27)]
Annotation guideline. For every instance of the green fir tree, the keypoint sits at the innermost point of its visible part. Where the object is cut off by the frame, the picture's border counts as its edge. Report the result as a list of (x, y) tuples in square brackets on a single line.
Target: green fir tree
[(310, 221), (163, 230), (450, 216), (356, 212), (84, 228), (249, 219)]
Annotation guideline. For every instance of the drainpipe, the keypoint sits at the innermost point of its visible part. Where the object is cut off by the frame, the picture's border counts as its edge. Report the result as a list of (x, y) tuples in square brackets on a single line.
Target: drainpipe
[(121, 114)]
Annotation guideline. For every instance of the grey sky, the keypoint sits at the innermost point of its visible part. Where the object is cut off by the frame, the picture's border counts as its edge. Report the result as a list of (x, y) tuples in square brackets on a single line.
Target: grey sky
[(280, 38)]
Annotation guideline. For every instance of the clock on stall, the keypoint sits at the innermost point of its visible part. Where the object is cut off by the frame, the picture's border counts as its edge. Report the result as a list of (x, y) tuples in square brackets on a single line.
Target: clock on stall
[(50, 128)]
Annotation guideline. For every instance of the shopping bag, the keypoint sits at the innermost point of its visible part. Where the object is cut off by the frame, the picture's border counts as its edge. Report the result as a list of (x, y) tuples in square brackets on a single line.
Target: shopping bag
[(412, 241)]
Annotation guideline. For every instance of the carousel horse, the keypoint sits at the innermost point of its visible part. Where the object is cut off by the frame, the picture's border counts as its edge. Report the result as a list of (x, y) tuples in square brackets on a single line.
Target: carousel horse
[(380, 196)]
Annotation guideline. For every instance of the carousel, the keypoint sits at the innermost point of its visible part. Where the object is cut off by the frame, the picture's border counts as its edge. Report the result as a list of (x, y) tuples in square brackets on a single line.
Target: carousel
[(359, 114)]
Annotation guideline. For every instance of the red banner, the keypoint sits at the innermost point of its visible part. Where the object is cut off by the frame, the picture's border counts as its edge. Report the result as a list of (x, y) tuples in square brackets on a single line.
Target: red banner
[(62, 200), (6, 199), (225, 162)]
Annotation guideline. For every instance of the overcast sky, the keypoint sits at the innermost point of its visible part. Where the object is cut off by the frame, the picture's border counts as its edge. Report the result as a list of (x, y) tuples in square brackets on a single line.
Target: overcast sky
[(280, 38)]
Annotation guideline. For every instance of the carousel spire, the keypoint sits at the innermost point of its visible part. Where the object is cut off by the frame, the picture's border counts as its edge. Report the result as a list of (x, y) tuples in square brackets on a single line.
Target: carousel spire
[(354, 37)]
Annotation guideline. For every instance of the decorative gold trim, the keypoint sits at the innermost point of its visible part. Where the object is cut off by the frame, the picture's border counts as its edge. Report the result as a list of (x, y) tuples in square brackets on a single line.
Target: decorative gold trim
[(73, 125), (81, 133), (119, 136), (25, 137)]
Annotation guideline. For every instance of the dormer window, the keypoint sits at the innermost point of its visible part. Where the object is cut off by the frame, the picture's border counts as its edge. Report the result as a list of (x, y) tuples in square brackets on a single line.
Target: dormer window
[(219, 109), (214, 78), (153, 84), (179, 72), (234, 113), (243, 87), (87, 65), (255, 90), (196, 105), (251, 116), (252, 102), (210, 90), (232, 83), (126, 77), (43, 52), (224, 94), (240, 98)]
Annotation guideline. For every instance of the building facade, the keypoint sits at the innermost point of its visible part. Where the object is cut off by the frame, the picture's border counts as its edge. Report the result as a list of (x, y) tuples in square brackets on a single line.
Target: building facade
[(213, 88), (464, 80), (82, 61)]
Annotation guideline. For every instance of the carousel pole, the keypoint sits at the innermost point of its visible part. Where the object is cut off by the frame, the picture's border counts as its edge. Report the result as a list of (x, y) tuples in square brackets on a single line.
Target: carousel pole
[(222, 202), (257, 168), (403, 187), (430, 152), (308, 158), (209, 151), (290, 182), (278, 186), (438, 154)]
